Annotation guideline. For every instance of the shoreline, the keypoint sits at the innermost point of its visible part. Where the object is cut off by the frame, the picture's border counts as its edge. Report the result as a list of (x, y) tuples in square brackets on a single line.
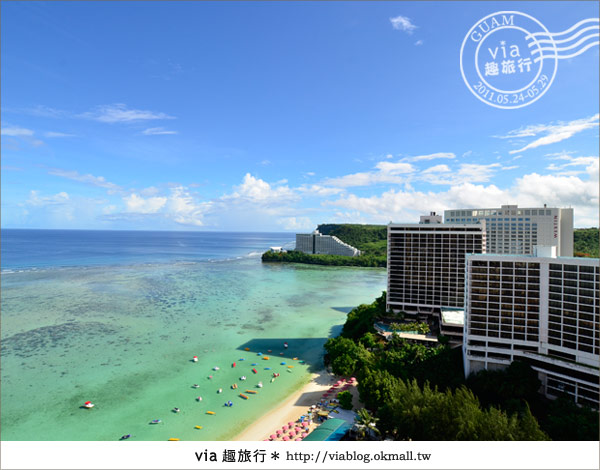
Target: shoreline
[(292, 407)]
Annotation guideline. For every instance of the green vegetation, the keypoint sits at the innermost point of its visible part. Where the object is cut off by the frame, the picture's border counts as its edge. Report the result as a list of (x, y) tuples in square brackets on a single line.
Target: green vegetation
[(365, 261), (345, 399), (586, 242), (371, 240), (420, 393)]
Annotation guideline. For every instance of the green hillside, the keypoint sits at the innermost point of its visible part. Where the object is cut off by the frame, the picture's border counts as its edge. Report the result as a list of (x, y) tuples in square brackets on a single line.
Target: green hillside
[(370, 239), (586, 242)]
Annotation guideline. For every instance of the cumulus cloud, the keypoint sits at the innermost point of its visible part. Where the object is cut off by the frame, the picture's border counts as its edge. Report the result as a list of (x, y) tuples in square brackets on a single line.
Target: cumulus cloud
[(550, 133), (139, 205), (403, 23), (386, 172), (184, 209), (257, 190)]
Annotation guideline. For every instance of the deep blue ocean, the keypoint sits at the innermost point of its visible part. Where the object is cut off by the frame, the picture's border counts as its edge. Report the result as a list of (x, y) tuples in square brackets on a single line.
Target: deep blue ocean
[(27, 249)]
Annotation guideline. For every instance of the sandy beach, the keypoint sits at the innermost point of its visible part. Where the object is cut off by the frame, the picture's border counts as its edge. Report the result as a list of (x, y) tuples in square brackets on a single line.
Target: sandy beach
[(293, 407)]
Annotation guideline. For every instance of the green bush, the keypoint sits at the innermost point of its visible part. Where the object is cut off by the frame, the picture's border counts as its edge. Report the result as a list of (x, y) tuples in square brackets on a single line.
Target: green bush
[(345, 399)]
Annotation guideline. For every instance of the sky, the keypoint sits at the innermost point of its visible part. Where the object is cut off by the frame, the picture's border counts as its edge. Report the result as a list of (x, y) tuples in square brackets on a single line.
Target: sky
[(279, 116)]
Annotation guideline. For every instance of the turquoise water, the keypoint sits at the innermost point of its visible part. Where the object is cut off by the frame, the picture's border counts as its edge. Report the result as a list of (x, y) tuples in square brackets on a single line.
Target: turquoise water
[(123, 337)]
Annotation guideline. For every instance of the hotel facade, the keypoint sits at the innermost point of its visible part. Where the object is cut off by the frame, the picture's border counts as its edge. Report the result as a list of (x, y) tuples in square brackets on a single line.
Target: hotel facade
[(540, 310), (318, 244), (514, 230), (426, 265)]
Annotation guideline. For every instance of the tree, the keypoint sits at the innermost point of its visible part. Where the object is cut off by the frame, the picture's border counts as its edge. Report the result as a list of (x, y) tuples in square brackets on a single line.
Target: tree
[(345, 399), (366, 424)]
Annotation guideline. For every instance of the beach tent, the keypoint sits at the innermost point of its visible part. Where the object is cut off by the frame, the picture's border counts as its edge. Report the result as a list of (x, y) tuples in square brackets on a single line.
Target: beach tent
[(331, 430)]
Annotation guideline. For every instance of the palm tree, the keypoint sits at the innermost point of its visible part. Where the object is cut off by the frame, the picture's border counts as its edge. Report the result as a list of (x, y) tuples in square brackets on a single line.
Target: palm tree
[(366, 424), (395, 327)]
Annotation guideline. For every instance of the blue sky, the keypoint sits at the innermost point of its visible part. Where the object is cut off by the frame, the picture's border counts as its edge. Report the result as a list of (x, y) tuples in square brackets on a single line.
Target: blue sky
[(277, 116)]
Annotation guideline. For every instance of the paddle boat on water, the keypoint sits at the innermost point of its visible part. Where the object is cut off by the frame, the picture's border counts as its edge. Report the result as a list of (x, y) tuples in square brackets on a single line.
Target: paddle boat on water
[(285, 345), (254, 364), (88, 404), (254, 370), (156, 421), (254, 392), (220, 390), (195, 359), (198, 427), (195, 386), (245, 397), (233, 365), (215, 368), (229, 403), (259, 384), (234, 386), (243, 377), (173, 438), (125, 436), (267, 368), (275, 374), (176, 410), (199, 398), (210, 413)]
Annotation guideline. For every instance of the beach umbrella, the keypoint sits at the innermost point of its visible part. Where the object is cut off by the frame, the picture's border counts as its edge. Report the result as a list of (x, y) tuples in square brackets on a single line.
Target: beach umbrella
[(305, 424), (290, 423), (297, 429), (273, 436), (298, 439), (292, 433), (285, 427), (279, 431), (286, 438), (304, 434)]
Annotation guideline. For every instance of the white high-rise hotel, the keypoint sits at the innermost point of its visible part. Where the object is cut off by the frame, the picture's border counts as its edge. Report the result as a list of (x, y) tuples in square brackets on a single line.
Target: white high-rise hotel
[(541, 310), (514, 230)]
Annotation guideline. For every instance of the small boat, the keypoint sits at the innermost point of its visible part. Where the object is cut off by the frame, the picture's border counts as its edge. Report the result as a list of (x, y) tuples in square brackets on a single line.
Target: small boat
[(241, 359), (233, 365), (245, 397), (199, 398), (285, 345), (275, 374), (272, 379), (195, 359), (198, 427), (252, 391), (290, 367), (126, 436), (246, 349), (215, 368), (229, 403), (259, 384), (266, 358), (283, 363), (210, 376), (294, 359), (195, 386), (210, 413), (259, 354), (254, 370), (220, 390), (173, 438), (267, 368), (88, 404), (301, 362), (254, 364), (268, 350), (176, 410), (234, 386), (243, 377), (156, 421), (289, 370), (281, 354)]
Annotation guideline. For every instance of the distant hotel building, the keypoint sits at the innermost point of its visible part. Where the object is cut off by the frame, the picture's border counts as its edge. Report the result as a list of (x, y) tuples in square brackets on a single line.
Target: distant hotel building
[(510, 230), (318, 244), (540, 310), (426, 264)]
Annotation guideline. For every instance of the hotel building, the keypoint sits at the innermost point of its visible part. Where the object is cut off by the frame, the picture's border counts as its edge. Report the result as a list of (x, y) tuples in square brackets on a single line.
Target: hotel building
[(540, 310), (318, 244), (426, 265), (514, 230)]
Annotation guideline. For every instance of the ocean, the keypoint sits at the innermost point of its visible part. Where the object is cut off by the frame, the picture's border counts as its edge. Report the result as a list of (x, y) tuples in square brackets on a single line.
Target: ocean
[(115, 318)]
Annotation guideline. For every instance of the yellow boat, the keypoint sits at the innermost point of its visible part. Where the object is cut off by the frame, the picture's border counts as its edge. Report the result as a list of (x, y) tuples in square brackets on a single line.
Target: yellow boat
[(210, 412), (198, 427), (290, 367), (246, 349), (294, 359), (251, 391), (266, 358), (173, 438), (245, 397)]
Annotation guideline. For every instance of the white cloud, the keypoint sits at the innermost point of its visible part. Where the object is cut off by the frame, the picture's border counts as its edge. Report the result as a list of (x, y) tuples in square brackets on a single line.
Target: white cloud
[(183, 209), (513, 167), (258, 190), (589, 162), (51, 134), (551, 133), (139, 205), (36, 200), (437, 169), (158, 131), (432, 156), (16, 132), (98, 181), (120, 113), (318, 190), (419, 42), (403, 23), (296, 223), (466, 173), (387, 172)]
